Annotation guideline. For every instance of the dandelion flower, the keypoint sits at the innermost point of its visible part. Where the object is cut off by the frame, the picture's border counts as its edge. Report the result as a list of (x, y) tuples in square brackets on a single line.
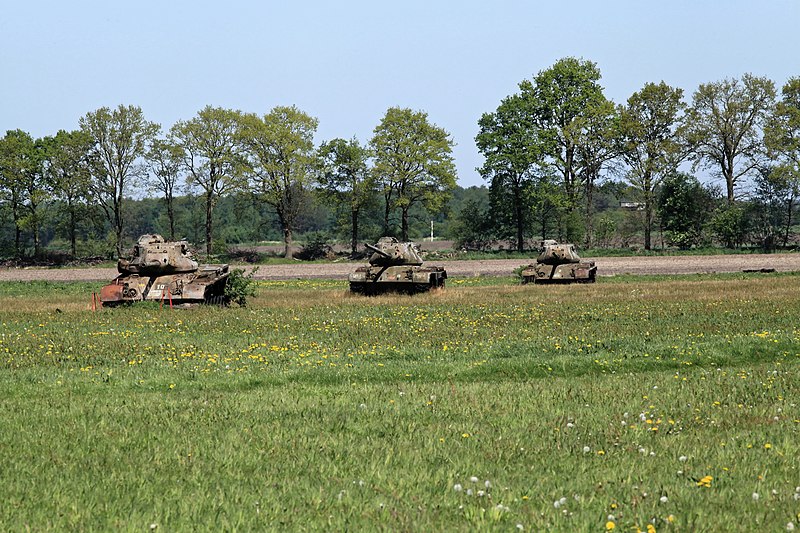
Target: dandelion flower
[(610, 525)]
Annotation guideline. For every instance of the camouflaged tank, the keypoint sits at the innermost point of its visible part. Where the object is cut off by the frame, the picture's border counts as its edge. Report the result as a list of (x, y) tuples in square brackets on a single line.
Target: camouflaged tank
[(164, 271), (395, 267), (559, 263)]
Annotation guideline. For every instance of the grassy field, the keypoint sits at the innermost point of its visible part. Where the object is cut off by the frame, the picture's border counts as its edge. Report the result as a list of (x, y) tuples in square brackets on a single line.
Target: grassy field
[(667, 404)]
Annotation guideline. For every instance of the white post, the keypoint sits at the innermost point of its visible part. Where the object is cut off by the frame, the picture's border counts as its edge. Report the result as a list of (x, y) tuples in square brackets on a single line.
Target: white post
[(431, 230)]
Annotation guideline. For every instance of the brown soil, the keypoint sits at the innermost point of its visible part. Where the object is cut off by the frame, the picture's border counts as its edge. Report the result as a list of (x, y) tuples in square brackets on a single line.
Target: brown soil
[(606, 266)]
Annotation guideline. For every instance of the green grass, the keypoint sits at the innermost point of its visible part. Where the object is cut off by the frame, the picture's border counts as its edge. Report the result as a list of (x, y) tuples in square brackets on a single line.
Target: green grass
[(316, 410)]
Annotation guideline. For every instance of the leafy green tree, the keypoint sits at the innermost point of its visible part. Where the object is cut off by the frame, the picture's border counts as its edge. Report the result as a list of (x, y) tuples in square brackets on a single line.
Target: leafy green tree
[(564, 100), (165, 161), (280, 161), (414, 159), (650, 144), (472, 228), (210, 156), (597, 148), (723, 127), (346, 177), (23, 180), (69, 175), (782, 138), (511, 150), (684, 206), (120, 138), (772, 206)]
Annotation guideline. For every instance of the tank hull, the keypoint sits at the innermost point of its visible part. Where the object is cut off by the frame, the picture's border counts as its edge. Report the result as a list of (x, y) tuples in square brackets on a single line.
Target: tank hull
[(540, 273), (405, 279), (204, 285)]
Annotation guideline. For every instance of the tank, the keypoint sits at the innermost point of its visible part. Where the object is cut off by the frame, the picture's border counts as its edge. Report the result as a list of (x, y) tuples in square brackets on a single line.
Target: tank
[(395, 266), (162, 270), (559, 263)]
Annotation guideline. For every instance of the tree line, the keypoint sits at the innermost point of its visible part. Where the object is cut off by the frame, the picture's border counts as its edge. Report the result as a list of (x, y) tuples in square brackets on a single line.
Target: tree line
[(268, 160), (547, 146), (554, 153)]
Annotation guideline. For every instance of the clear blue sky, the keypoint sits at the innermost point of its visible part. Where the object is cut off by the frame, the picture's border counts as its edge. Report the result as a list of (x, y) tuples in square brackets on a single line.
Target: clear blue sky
[(346, 62)]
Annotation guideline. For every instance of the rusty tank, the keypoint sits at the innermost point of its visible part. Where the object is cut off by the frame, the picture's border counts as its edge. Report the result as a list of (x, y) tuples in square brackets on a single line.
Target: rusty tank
[(395, 266), (559, 263), (162, 270)]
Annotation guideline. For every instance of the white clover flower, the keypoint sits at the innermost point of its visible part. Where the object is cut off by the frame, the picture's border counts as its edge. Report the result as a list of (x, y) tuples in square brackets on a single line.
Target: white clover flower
[(586, 449), (474, 479), (611, 518), (790, 526), (774, 492), (487, 484), (457, 487), (570, 425), (755, 496), (682, 458), (642, 451), (469, 492), (362, 406), (153, 526), (663, 499), (557, 504), (481, 494), (520, 527)]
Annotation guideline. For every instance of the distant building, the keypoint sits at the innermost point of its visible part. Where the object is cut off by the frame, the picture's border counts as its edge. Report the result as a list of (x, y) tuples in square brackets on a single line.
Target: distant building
[(634, 206)]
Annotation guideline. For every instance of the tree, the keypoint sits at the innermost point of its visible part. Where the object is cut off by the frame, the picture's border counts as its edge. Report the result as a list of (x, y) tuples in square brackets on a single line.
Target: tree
[(684, 206), (210, 155), (597, 148), (165, 161), (346, 176), (22, 174), (414, 159), (650, 144), (509, 144), (280, 158), (120, 138), (563, 100), (723, 127), (782, 138), (69, 176), (773, 204)]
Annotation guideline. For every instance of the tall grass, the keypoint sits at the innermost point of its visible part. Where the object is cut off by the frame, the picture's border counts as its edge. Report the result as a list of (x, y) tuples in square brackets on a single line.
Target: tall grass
[(670, 402)]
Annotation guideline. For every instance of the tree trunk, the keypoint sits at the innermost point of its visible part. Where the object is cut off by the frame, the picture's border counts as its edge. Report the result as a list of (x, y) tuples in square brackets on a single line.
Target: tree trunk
[(171, 217), (287, 242), (386, 210), (404, 224), (354, 239), (209, 221), (520, 216)]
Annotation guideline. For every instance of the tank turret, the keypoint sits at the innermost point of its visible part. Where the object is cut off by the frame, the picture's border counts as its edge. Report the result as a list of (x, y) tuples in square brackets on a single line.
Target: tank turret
[(388, 251), (395, 266), (164, 270), (559, 263), (153, 254)]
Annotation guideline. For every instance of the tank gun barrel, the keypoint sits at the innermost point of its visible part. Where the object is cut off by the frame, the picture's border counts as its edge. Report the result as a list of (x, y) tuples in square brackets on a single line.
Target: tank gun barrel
[(376, 250)]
